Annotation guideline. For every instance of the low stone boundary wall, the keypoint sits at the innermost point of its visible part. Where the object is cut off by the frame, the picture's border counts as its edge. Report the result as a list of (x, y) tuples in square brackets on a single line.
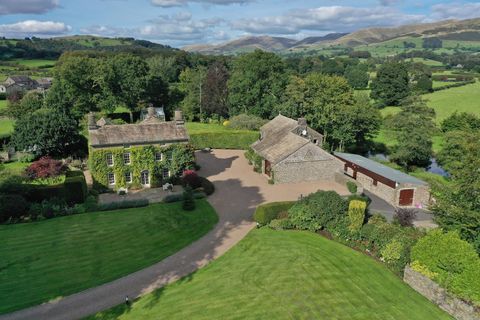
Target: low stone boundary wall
[(438, 295), (342, 178)]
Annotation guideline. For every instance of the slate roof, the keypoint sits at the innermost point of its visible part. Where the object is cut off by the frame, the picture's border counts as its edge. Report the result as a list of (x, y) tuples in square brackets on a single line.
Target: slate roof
[(279, 139), (21, 79), (147, 132), (380, 169)]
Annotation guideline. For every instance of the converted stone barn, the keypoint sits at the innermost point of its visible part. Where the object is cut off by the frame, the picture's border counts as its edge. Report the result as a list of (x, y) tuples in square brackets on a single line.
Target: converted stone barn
[(292, 152), (142, 155), (397, 188)]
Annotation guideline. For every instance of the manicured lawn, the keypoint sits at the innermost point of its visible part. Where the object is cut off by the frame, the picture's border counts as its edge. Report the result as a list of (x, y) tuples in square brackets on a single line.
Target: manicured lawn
[(285, 275), (6, 126), (3, 104), (204, 135), (16, 167), (197, 127), (48, 259)]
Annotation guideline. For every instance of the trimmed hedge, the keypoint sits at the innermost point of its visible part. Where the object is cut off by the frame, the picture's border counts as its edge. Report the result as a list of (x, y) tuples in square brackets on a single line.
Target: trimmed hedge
[(122, 205), (268, 212), (224, 140), (454, 85)]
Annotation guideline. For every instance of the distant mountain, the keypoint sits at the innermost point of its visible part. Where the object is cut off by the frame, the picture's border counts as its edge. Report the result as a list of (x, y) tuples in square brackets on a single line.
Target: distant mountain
[(458, 30)]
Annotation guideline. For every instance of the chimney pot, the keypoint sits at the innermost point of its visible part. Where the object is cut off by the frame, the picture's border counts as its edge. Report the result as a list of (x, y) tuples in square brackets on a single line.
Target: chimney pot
[(92, 124), (179, 117), (302, 122), (151, 113)]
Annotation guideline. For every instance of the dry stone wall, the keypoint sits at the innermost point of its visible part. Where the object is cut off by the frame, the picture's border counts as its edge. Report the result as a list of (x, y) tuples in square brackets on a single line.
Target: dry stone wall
[(438, 295)]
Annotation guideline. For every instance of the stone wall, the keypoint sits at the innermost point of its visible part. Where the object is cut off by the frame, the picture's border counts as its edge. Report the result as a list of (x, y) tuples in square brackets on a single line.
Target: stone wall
[(342, 178), (382, 190), (421, 195), (433, 292)]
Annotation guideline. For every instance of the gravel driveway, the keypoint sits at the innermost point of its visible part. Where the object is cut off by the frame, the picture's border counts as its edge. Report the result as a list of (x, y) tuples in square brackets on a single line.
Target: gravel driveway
[(239, 191)]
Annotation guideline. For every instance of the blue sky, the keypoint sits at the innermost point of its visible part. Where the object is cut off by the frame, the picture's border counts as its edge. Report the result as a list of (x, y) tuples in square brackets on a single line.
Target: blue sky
[(182, 22)]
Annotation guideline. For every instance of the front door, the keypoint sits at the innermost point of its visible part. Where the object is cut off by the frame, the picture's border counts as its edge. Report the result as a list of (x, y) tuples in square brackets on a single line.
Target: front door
[(268, 168), (406, 197), (145, 178)]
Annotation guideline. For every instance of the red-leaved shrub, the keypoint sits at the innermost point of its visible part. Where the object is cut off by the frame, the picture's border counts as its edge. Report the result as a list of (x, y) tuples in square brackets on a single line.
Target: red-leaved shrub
[(190, 178), (45, 167)]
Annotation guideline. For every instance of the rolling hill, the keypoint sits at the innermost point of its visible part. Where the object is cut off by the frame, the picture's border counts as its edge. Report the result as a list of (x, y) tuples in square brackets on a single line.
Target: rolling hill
[(454, 32)]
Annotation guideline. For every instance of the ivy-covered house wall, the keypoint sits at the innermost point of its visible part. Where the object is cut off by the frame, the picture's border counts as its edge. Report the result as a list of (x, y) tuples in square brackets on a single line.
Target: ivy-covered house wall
[(174, 157)]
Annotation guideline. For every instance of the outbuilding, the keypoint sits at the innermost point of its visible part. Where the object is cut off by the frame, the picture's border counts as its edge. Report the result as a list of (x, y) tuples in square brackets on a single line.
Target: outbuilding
[(396, 187)]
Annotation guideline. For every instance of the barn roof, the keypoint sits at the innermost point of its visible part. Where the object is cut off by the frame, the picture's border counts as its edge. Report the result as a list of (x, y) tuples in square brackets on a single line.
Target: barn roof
[(142, 133), (280, 139), (380, 169)]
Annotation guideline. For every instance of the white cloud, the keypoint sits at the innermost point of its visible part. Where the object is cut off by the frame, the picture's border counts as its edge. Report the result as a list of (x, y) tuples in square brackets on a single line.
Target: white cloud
[(338, 18), (27, 6), (455, 10), (178, 3), (34, 28)]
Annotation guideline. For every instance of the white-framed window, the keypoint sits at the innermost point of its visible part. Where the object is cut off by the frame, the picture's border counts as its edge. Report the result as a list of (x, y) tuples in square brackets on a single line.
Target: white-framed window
[(128, 177), (109, 159), (111, 178), (145, 178), (158, 156), (169, 155), (126, 158), (165, 173)]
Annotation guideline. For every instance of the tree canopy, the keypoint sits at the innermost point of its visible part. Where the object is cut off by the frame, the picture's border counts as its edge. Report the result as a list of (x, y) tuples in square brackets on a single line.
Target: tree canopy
[(391, 85)]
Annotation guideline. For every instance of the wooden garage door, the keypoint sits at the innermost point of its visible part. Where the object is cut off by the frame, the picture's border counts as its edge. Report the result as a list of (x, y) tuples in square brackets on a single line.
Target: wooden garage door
[(406, 197)]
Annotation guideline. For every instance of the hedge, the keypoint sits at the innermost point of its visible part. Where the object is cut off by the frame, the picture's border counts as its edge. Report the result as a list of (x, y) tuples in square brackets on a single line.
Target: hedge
[(268, 212), (454, 85), (224, 140)]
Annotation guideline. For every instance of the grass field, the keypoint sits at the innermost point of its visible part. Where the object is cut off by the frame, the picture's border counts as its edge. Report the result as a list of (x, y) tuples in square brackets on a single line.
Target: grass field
[(285, 275), (203, 135), (3, 104), (428, 62), (6, 126), (35, 63), (387, 139), (16, 167), (44, 260), (197, 127)]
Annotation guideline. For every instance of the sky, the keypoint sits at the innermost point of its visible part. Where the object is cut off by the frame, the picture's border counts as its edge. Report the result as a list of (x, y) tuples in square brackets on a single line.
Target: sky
[(183, 22)]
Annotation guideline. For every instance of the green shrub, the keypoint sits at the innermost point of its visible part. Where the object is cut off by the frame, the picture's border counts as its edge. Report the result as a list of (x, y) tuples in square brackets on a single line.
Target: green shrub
[(361, 197), (122, 205), (48, 209), (12, 206), (377, 218), (173, 198), (246, 122), (225, 140), (188, 199), (453, 262), (254, 159), (352, 187), (356, 214), (75, 185), (280, 224), (269, 211), (315, 211)]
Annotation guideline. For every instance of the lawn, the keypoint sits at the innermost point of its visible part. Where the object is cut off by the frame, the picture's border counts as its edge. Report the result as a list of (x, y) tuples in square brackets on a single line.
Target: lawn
[(48, 259), (6, 126), (285, 275), (3, 104), (16, 167), (205, 135), (35, 63), (387, 139)]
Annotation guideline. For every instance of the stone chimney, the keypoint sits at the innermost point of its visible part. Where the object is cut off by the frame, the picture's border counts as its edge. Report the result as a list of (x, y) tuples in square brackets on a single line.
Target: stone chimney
[(151, 113), (179, 118), (92, 124), (302, 126)]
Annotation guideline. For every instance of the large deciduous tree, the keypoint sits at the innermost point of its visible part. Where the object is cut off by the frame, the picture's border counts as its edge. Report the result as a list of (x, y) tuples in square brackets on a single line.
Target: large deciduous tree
[(215, 90), (191, 85), (391, 85), (357, 76), (31, 102), (413, 127), (256, 84), (46, 132)]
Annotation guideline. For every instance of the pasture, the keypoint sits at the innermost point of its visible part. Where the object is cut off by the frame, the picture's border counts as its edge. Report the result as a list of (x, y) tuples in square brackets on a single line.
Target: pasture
[(284, 275), (48, 259)]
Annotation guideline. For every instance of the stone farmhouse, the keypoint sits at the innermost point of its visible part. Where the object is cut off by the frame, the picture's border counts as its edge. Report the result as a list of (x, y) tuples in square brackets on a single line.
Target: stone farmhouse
[(292, 152), (17, 84), (397, 188), (142, 155)]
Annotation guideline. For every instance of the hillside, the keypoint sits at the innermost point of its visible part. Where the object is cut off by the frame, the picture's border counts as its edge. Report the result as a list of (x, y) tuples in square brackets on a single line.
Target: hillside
[(51, 48), (454, 33)]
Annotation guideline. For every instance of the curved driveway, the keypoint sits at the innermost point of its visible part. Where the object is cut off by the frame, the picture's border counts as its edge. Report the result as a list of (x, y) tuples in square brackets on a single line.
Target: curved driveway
[(238, 191)]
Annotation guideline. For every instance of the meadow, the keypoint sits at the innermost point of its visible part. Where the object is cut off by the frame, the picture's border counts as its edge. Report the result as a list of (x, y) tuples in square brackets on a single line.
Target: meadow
[(48, 259), (284, 275)]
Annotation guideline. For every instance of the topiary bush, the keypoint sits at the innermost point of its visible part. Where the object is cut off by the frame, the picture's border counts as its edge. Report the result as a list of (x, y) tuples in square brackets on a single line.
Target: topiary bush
[(315, 211), (356, 214), (207, 186), (188, 199), (270, 211), (352, 187), (12, 206)]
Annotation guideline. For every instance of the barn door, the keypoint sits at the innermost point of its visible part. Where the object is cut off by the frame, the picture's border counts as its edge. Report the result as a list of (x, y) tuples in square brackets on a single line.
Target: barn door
[(406, 197), (268, 168)]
